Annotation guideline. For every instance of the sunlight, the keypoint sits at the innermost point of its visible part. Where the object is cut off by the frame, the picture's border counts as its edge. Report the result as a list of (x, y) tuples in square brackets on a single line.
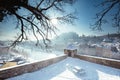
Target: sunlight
[(51, 55), (54, 21)]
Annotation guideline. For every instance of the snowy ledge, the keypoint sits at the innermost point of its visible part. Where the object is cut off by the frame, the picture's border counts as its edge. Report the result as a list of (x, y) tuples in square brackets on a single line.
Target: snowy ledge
[(99, 60), (72, 69), (28, 67)]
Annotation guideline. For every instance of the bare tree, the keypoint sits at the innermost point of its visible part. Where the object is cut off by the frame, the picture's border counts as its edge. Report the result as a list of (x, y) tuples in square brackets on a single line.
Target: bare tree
[(37, 20), (111, 8)]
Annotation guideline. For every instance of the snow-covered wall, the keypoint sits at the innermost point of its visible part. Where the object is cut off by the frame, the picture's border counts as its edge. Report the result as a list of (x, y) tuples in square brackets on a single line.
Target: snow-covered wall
[(98, 51), (100, 60), (29, 67)]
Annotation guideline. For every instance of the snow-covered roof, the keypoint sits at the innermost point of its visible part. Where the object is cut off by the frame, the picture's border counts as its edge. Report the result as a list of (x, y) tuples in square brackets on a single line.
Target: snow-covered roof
[(107, 40), (71, 47)]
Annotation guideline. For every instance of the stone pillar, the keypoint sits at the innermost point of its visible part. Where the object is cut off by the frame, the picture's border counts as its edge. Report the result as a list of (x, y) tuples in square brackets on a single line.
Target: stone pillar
[(70, 53)]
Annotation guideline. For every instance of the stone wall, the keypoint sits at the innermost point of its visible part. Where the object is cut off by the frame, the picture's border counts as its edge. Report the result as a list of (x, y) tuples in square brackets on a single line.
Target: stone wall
[(98, 51), (26, 68), (100, 60), (70, 53)]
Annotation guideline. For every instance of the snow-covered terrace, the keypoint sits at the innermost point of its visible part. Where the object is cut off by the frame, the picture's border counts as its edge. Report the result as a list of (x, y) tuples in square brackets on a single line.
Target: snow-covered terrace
[(72, 69)]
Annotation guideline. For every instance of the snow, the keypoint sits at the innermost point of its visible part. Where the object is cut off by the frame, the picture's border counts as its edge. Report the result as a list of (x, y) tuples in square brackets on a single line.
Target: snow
[(42, 55), (36, 53), (71, 47), (64, 70), (28, 53)]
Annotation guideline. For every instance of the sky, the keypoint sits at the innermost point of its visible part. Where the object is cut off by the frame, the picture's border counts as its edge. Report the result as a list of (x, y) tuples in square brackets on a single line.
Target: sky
[(84, 10)]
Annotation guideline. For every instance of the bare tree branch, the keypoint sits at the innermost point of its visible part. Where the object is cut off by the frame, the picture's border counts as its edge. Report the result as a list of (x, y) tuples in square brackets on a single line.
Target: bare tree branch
[(37, 20), (100, 17), (40, 3)]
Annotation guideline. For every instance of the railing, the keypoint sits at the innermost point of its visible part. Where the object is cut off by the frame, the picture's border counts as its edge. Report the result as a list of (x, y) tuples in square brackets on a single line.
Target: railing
[(29, 67), (99, 60)]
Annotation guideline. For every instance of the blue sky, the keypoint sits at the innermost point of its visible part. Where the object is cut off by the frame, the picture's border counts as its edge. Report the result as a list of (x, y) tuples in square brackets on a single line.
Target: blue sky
[(84, 11)]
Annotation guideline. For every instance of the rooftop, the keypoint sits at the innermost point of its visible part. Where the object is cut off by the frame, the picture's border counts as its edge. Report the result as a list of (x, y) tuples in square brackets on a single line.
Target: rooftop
[(72, 69)]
